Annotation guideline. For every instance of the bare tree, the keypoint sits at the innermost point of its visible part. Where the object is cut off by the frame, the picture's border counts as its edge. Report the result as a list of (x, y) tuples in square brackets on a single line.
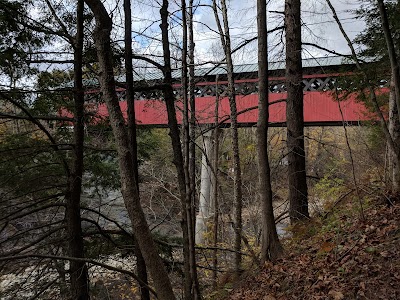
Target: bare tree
[(129, 186), (189, 176), (215, 184), (192, 151), (191, 285), (140, 263), (237, 173), (271, 247)]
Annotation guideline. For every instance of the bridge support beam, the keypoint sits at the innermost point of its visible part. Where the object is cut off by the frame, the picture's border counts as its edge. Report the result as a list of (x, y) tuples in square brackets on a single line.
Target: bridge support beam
[(207, 180)]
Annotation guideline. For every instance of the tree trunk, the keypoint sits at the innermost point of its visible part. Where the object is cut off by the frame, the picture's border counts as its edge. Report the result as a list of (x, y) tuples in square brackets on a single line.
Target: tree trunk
[(129, 189), (78, 270), (298, 195), (192, 154), (271, 248), (186, 147), (394, 64), (394, 129), (237, 173), (140, 263), (215, 201), (191, 283), (394, 98), (177, 152)]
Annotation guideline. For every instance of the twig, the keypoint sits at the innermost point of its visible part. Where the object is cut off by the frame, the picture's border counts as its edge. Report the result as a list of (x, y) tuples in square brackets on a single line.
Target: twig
[(86, 260), (337, 202)]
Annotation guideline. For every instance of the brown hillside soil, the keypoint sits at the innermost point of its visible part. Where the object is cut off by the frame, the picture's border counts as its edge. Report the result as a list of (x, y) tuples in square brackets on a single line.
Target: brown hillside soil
[(339, 257)]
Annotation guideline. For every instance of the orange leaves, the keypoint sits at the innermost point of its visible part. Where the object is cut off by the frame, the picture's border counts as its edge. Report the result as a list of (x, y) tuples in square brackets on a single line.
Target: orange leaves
[(326, 247)]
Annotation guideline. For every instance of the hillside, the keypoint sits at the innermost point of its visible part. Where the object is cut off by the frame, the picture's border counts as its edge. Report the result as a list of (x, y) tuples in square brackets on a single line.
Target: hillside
[(339, 256)]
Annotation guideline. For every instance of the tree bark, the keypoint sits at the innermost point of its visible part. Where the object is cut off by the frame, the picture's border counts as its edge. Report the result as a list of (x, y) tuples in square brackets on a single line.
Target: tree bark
[(215, 188), (192, 156), (271, 248), (394, 129), (394, 97), (186, 146), (177, 152), (298, 194), (129, 189), (141, 268), (237, 173), (79, 278), (186, 149), (394, 64)]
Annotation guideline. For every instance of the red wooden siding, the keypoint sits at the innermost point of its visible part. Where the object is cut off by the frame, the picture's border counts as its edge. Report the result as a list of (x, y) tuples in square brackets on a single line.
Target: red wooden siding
[(319, 107)]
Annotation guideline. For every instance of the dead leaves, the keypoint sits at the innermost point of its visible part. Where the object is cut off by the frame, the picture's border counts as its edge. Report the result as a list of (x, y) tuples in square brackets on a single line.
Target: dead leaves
[(269, 297), (336, 295), (326, 247), (355, 260)]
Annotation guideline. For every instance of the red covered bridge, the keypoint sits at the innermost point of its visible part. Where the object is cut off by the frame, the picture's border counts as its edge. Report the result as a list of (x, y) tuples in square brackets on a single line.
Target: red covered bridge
[(320, 105)]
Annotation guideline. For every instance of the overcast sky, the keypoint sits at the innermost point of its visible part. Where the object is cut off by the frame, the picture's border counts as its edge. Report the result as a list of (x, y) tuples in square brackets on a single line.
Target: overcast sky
[(319, 27)]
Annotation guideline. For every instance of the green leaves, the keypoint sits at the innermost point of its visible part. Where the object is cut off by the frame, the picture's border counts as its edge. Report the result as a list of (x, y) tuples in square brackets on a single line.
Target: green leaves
[(372, 38), (17, 38)]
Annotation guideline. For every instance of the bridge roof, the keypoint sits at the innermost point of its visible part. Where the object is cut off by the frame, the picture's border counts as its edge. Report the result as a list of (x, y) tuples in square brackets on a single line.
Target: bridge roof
[(155, 74), (240, 69)]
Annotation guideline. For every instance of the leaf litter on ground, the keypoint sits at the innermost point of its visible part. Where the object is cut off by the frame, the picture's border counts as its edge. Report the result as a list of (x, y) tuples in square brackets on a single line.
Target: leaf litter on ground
[(341, 257)]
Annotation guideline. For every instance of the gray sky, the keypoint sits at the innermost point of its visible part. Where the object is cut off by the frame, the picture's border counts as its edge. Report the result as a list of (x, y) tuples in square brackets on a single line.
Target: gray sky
[(319, 28)]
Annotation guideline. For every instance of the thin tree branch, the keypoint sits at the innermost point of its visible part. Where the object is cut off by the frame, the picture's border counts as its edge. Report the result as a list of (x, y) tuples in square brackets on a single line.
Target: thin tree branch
[(60, 23), (45, 118), (86, 260)]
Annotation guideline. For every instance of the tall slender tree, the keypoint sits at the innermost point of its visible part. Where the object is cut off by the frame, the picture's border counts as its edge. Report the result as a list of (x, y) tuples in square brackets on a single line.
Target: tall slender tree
[(186, 155), (271, 247), (129, 188), (298, 193), (214, 185), (237, 173), (192, 150), (191, 285), (189, 138), (391, 51), (78, 270), (140, 263)]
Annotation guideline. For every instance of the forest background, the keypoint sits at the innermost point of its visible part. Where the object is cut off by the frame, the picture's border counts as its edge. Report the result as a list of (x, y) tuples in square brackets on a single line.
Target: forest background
[(101, 207)]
